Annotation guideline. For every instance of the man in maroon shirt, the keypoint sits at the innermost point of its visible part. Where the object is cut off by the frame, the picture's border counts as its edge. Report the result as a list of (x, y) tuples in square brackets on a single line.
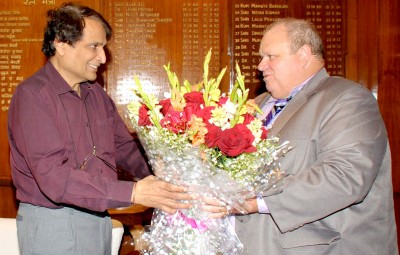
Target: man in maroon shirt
[(67, 139)]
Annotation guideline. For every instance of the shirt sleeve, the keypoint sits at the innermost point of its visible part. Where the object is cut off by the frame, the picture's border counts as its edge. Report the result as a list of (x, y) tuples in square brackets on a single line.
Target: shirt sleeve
[(262, 205), (129, 153)]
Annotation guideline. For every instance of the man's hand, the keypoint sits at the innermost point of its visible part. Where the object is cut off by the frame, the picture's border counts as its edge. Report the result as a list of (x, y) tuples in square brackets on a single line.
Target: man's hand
[(218, 209), (215, 207), (250, 206), (152, 192)]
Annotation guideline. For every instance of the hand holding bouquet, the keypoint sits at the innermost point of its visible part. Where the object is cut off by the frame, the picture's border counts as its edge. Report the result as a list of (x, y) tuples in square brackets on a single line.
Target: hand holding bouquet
[(213, 144)]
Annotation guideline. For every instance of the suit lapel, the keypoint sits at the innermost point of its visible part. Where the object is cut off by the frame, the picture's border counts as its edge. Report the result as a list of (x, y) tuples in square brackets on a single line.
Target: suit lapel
[(287, 113), (262, 99)]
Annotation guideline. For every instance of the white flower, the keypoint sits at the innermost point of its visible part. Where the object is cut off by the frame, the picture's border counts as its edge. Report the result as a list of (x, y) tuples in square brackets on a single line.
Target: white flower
[(167, 94), (230, 108), (220, 118), (256, 129)]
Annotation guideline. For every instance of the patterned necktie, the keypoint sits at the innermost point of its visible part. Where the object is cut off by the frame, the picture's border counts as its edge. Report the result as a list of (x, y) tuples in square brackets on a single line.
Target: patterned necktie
[(278, 107)]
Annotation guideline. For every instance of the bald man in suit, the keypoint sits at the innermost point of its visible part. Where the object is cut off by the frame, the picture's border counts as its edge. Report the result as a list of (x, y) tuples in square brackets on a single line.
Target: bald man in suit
[(338, 197)]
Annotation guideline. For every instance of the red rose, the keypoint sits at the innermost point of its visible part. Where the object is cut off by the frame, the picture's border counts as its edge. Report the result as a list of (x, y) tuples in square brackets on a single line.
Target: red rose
[(144, 119), (174, 121), (192, 108), (212, 136), (166, 106), (194, 97), (248, 118), (264, 133), (236, 140), (205, 113)]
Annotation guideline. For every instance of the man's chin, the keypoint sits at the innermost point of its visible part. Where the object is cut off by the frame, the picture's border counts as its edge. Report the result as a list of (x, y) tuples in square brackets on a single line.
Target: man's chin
[(269, 90), (274, 95), (91, 78)]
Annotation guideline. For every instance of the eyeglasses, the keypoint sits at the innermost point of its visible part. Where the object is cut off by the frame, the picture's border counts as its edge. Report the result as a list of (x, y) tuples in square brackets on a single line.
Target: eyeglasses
[(93, 154)]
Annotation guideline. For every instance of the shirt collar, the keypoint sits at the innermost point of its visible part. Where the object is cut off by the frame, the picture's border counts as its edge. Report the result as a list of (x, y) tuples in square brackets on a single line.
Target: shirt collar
[(57, 81), (60, 85), (298, 88)]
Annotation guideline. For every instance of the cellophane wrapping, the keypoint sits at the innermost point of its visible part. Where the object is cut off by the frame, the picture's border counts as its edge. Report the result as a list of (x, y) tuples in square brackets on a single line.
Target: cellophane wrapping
[(191, 231)]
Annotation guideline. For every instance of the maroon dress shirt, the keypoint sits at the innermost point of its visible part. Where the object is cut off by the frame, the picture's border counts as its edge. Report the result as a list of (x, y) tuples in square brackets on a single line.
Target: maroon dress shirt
[(51, 132)]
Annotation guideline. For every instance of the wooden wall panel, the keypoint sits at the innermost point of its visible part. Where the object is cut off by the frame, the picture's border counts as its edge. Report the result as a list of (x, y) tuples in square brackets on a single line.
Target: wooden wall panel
[(367, 44), (389, 78), (8, 203), (373, 60)]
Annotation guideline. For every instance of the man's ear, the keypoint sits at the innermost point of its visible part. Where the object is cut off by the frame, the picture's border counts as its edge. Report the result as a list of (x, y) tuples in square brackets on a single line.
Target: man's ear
[(305, 53), (60, 47)]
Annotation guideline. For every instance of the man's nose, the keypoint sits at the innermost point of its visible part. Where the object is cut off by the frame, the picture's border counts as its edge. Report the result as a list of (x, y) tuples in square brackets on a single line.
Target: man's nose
[(101, 56), (264, 64)]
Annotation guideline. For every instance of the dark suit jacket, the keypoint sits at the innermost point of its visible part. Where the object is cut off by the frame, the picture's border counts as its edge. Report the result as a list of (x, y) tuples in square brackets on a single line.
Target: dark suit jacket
[(338, 197)]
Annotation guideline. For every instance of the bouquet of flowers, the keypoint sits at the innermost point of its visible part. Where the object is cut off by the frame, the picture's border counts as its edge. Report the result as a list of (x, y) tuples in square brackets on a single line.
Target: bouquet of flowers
[(213, 144)]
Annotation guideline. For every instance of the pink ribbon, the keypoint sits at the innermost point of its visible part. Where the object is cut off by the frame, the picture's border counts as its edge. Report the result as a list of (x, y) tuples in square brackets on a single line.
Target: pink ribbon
[(195, 224)]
